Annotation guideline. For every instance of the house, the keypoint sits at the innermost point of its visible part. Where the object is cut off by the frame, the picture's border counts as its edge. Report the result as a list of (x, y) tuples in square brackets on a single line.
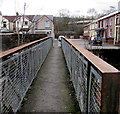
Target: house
[(33, 24), (86, 31), (92, 30), (6, 23), (9, 24), (106, 27), (22, 23), (117, 29), (42, 24)]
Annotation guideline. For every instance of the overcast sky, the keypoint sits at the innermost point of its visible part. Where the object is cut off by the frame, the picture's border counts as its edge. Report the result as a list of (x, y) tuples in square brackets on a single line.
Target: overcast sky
[(51, 7)]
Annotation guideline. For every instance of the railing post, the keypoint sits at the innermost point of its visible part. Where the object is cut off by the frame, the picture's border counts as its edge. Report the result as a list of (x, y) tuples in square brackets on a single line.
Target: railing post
[(110, 92)]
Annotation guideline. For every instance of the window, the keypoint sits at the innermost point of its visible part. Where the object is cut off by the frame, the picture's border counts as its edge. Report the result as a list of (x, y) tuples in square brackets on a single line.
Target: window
[(26, 22), (47, 24), (99, 24), (4, 24), (102, 24), (118, 20), (111, 21), (107, 23), (110, 32)]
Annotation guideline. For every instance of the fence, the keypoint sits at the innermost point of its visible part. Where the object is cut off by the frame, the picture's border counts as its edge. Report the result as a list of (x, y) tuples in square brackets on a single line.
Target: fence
[(18, 72), (96, 82)]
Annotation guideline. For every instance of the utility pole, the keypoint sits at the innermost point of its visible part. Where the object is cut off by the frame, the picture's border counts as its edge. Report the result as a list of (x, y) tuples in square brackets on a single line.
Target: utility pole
[(17, 28)]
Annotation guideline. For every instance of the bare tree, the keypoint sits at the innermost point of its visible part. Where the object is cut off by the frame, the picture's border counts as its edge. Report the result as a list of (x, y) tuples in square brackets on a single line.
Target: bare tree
[(110, 10), (92, 12), (64, 13), (64, 18)]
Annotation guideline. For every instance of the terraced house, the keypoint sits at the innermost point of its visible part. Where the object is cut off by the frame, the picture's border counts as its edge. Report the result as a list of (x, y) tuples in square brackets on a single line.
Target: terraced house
[(109, 27), (106, 27)]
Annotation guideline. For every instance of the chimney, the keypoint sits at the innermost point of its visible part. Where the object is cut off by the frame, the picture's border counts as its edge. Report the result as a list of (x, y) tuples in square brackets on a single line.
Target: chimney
[(119, 6), (17, 14)]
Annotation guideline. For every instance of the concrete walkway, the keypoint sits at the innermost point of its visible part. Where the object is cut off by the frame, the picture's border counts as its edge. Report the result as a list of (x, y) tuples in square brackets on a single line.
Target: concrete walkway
[(50, 91)]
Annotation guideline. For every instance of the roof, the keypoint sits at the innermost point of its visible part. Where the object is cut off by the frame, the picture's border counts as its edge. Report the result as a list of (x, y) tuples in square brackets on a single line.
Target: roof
[(81, 22), (37, 17), (109, 15), (10, 18), (30, 17)]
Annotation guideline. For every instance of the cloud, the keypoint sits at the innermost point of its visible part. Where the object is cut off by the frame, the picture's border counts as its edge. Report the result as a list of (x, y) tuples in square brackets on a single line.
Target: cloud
[(52, 6)]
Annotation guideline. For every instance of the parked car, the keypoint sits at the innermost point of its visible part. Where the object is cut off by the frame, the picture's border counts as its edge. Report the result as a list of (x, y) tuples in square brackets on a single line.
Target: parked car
[(96, 41), (60, 37)]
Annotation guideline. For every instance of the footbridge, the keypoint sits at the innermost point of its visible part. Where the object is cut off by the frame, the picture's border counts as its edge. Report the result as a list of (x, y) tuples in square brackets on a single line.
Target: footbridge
[(46, 65)]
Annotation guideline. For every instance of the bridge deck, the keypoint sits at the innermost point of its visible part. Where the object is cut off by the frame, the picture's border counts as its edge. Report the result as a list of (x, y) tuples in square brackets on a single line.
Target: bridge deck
[(50, 91)]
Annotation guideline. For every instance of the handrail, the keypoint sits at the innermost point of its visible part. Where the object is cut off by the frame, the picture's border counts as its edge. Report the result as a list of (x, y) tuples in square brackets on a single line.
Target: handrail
[(16, 49), (103, 66)]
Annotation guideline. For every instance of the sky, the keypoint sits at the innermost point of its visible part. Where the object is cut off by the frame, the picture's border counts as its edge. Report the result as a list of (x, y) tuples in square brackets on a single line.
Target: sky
[(52, 7)]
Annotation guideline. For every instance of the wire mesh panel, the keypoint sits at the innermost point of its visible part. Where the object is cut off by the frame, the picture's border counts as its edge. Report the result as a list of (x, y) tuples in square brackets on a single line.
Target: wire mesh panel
[(67, 53), (78, 68), (82, 84), (74, 67), (17, 74), (94, 91)]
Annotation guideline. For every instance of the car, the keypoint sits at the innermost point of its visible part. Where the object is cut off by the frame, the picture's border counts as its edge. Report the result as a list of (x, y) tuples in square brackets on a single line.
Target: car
[(60, 37), (96, 41)]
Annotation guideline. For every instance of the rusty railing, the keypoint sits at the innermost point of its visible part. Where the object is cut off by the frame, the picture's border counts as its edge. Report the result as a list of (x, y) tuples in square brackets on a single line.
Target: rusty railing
[(97, 83), (18, 70)]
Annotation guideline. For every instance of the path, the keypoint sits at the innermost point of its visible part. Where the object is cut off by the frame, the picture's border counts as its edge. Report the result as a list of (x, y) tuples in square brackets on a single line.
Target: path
[(50, 91)]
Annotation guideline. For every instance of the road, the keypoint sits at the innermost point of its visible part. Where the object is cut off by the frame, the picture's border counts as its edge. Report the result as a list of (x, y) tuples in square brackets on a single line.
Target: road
[(84, 43)]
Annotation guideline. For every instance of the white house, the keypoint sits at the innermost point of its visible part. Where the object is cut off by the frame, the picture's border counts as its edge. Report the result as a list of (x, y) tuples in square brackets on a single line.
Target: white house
[(5, 24), (22, 23)]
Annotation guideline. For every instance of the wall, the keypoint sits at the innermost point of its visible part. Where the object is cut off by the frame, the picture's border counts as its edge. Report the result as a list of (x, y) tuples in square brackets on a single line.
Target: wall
[(41, 23)]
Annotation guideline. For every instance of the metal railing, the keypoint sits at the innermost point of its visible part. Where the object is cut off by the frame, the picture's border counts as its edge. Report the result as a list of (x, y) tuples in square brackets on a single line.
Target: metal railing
[(18, 72), (96, 82)]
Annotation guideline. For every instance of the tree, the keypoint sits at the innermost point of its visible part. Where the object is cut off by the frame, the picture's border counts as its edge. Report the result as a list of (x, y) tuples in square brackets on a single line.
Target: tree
[(64, 13), (61, 22), (92, 12)]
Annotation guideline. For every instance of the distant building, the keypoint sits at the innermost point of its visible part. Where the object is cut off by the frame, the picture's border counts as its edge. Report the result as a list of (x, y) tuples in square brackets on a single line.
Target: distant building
[(33, 24), (22, 24), (86, 33), (9, 23), (92, 29), (106, 27), (81, 23), (42, 24)]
